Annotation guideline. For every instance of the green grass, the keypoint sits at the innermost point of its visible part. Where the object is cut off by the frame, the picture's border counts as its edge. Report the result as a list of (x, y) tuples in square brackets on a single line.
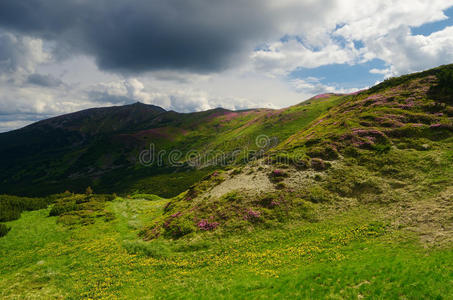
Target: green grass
[(57, 167), (350, 233), (343, 256)]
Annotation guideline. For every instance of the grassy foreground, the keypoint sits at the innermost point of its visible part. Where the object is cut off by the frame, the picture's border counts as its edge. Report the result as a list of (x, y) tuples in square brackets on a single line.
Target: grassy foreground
[(355, 254)]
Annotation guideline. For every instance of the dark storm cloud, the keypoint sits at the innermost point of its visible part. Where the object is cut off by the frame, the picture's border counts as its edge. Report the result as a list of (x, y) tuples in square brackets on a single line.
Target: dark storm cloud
[(143, 35), (44, 80), (106, 97)]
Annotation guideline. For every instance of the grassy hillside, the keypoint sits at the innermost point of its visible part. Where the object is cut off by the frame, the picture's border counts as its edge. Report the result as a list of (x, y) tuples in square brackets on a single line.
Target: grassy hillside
[(352, 254), (353, 200), (392, 144), (101, 147)]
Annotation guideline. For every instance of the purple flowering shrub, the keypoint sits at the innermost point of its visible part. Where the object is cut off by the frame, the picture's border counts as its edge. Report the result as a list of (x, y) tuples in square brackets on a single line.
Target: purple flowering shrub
[(207, 224), (277, 175), (319, 165), (252, 215), (364, 138), (442, 126), (326, 152)]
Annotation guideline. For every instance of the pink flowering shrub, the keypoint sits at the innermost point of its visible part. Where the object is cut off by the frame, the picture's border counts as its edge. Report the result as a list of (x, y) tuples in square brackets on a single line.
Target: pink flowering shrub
[(206, 225), (319, 164), (274, 203), (365, 138), (175, 215), (277, 175), (441, 126), (252, 215), (321, 96)]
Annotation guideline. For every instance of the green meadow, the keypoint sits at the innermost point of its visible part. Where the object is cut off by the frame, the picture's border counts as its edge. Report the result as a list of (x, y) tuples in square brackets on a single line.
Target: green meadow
[(347, 255)]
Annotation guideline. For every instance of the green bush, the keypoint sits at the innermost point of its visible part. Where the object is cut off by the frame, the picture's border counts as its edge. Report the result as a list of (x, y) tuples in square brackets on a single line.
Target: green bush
[(8, 213), (4, 229), (326, 153), (109, 216), (153, 249), (280, 186), (382, 148), (303, 209), (88, 191), (179, 227), (317, 194), (192, 245), (319, 165), (69, 220), (149, 197), (62, 207), (12, 206), (444, 89)]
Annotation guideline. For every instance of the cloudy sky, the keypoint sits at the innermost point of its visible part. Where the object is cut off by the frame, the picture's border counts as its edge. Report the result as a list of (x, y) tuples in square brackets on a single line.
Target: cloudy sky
[(60, 56)]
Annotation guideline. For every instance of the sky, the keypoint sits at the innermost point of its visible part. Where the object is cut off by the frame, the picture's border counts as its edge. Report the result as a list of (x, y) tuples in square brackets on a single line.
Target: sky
[(58, 57)]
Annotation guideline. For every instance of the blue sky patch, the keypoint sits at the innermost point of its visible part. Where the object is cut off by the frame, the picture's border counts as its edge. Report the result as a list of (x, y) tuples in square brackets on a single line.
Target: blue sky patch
[(430, 28), (344, 75)]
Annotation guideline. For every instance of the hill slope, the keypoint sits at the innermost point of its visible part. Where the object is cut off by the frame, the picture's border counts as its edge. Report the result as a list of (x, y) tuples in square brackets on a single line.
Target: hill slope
[(101, 147), (390, 145), (353, 201)]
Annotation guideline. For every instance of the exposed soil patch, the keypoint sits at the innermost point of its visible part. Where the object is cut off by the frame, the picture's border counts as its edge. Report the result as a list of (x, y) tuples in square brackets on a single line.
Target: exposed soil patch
[(431, 219)]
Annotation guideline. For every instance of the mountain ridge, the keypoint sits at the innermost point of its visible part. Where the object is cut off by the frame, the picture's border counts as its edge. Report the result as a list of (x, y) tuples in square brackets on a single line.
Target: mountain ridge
[(101, 147), (112, 137)]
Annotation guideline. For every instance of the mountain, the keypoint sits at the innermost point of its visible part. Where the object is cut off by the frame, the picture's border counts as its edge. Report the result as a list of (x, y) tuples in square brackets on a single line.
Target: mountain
[(100, 147), (389, 147), (341, 196)]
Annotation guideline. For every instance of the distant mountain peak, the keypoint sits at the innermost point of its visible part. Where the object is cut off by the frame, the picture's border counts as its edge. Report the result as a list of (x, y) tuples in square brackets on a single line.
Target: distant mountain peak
[(144, 105)]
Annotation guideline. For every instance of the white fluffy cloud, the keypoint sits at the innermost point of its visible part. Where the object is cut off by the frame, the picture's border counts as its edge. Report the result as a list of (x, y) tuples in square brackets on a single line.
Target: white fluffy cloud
[(19, 55), (383, 27), (314, 87), (301, 34), (406, 53), (183, 99), (280, 58)]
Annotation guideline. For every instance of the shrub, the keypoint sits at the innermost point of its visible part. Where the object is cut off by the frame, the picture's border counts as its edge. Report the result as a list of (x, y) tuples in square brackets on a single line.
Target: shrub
[(268, 200), (236, 171), (207, 225), (9, 213), (109, 216), (69, 220), (408, 131), (233, 196), (62, 207), (351, 151), (317, 194), (91, 205), (4, 229), (12, 206), (301, 164), (277, 175), (149, 197), (177, 226), (280, 186), (327, 153), (319, 164), (382, 148), (252, 215), (304, 209), (88, 191), (153, 249), (444, 89), (81, 209), (193, 245)]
